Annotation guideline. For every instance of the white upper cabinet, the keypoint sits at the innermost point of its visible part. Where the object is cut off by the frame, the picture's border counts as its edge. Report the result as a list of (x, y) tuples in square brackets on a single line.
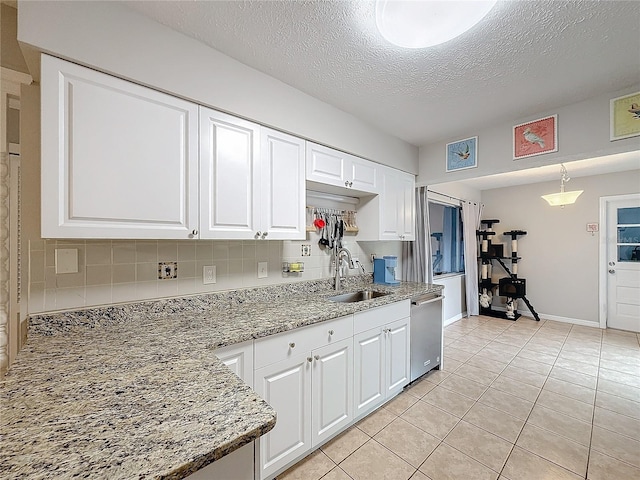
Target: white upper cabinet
[(118, 160), (283, 186), (397, 205), (332, 167), (229, 176), (391, 214), (252, 182)]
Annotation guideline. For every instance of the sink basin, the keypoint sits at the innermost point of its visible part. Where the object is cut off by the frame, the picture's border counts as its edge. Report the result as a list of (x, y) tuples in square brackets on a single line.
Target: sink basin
[(357, 296)]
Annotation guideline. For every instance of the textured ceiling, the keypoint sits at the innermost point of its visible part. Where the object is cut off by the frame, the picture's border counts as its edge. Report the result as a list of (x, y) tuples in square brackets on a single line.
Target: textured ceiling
[(525, 57)]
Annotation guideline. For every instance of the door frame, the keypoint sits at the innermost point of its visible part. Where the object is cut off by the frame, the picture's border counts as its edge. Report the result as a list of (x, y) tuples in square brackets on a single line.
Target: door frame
[(602, 256)]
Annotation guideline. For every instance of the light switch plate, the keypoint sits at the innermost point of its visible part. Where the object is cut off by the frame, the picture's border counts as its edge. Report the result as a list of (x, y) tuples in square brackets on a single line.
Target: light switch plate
[(262, 269), (66, 260)]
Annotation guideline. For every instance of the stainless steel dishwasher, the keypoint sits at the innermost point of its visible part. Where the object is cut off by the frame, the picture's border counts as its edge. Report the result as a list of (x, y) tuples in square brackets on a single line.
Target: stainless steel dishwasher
[(426, 333)]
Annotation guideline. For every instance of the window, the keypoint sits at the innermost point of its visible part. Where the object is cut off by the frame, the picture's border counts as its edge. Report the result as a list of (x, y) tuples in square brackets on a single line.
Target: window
[(447, 246)]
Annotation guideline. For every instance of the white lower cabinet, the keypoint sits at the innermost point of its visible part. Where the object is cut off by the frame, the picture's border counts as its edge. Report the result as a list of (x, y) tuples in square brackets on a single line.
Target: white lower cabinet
[(332, 390), (239, 358), (286, 386), (311, 391), (381, 355)]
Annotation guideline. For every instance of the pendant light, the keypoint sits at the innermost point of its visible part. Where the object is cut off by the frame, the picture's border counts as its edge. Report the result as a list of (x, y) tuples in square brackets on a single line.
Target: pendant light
[(425, 23), (563, 198)]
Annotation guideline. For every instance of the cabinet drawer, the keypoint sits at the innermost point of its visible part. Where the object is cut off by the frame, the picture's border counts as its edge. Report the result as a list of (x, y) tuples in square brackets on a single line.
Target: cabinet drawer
[(301, 340), (377, 317)]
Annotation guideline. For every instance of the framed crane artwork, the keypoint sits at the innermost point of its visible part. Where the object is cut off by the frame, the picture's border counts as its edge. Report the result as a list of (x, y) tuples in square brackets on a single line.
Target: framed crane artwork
[(536, 137), (462, 154)]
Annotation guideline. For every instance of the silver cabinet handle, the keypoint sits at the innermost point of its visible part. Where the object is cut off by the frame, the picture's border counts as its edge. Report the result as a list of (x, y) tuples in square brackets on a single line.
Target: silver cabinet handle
[(346, 183), (194, 232), (611, 270), (265, 234), (317, 357), (309, 359), (330, 332), (386, 330), (292, 345), (258, 233)]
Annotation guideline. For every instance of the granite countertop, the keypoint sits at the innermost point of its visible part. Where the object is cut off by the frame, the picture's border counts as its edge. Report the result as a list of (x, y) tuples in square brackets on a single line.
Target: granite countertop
[(136, 391)]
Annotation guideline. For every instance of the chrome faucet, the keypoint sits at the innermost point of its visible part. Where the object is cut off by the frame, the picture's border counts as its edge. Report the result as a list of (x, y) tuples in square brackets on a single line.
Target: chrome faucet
[(340, 252)]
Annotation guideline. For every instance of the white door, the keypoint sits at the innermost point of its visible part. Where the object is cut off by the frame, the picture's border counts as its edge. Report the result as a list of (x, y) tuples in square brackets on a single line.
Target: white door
[(397, 356), (332, 404), (283, 186), (623, 262), (369, 367), (229, 173), (286, 386), (118, 160)]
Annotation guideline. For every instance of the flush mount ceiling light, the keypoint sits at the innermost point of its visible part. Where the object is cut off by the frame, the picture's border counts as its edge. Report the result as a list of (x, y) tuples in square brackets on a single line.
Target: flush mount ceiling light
[(563, 198), (425, 23)]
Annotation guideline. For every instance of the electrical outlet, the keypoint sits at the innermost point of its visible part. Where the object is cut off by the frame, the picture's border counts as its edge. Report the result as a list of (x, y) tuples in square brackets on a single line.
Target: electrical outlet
[(262, 269), (209, 274), (167, 270), (306, 250)]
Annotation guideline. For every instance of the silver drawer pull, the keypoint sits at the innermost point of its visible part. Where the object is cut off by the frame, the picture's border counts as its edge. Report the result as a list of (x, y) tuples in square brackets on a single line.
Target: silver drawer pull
[(309, 359), (330, 332), (292, 345), (317, 357)]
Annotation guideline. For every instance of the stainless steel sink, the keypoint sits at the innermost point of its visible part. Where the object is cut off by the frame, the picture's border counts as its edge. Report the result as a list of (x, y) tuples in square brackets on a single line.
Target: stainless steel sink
[(357, 296)]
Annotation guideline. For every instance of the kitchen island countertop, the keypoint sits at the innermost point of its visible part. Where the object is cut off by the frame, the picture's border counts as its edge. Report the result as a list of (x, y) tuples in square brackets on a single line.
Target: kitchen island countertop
[(136, 391)]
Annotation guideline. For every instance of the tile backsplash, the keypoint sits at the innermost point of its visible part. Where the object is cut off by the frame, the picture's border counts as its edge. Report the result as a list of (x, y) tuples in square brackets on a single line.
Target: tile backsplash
[(119, 271)]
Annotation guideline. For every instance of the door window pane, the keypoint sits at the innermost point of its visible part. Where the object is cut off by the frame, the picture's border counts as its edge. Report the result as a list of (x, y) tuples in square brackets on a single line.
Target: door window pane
[(628, 253), (628, 234), (629, 216)]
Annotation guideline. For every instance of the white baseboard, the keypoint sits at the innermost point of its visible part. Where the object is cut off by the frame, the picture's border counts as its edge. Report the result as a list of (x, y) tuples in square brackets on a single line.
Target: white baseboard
[(556, 318), (449, 321)]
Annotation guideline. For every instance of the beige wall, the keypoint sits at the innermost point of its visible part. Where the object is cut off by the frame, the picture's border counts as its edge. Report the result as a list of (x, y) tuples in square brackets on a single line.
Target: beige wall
[(583, 132), (559, 257), (112, 38), (11, 56)]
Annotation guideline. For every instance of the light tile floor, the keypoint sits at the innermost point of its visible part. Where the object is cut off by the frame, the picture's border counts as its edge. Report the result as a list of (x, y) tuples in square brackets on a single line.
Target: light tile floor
[(521, 400)]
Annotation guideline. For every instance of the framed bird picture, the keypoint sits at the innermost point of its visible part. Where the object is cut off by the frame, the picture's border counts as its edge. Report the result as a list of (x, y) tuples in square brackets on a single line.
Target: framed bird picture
[(625, 116), (462, 154), (536, 137)]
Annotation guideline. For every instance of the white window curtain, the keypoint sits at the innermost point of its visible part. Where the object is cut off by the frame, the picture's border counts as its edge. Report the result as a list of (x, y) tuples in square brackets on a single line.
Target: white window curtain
[(416, 256), (471, 215)]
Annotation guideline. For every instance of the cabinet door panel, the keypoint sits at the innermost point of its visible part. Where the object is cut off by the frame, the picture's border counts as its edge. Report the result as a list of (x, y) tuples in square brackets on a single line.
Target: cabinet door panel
[(397, 351), (239, 358), (369, 383), (283, 186), (118, 160), (406, 185), (229, 169), (332, 389), (389, 208), (325, 165), (364, 175), (286, 386)]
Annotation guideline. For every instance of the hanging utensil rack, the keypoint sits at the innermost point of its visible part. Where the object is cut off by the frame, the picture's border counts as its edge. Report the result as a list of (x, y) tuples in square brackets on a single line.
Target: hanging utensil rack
[(325, 214)]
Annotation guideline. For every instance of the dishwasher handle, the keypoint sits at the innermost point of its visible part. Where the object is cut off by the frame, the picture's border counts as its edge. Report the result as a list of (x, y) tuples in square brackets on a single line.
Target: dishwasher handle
[(419, 301)]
